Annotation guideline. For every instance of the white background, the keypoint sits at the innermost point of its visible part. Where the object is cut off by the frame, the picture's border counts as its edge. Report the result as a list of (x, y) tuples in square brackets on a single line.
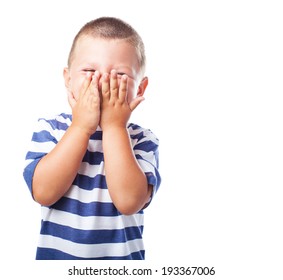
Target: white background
[(215, 102)]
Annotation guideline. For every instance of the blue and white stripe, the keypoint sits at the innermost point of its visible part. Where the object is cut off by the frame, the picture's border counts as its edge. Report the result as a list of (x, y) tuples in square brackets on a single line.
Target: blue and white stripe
[(84, 223)]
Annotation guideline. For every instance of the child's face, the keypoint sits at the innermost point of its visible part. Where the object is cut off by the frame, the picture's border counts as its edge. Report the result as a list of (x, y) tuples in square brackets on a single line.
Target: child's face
[(96, 54)]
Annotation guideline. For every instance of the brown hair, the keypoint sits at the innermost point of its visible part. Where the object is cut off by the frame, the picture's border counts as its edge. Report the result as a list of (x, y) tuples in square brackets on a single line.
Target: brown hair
[(111, 28)]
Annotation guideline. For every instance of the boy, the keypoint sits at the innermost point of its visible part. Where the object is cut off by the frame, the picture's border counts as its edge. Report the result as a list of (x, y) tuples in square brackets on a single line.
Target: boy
[(92, 171)]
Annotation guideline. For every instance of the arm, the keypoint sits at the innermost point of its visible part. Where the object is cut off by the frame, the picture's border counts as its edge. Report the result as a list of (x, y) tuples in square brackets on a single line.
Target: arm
[(56, 171), (127, 183)]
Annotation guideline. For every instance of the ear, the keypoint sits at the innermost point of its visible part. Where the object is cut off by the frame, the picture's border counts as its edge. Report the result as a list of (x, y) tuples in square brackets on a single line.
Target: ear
[(67, 78), (142, 86)]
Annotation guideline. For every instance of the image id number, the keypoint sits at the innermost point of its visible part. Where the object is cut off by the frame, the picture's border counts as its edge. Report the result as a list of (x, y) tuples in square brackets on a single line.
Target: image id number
[(190, 270)]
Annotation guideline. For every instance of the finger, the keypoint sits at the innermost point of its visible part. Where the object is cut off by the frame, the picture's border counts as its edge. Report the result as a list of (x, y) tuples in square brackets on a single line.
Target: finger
[(113, 85), (105, 87), (85, 84), (123, 88), (133, 105), (95, 84)]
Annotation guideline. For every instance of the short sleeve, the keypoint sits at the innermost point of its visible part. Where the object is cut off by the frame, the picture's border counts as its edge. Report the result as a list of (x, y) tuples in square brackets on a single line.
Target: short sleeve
[(42, 142), (146, 149)]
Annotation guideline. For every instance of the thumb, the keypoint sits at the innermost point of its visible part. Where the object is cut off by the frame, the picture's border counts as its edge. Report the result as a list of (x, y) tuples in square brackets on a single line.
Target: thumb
[(134, 104), (71, 99)]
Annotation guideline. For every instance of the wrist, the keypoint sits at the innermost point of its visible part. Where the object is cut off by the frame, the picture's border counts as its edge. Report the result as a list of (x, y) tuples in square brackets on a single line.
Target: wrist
[(81, 131), (115, 135), (114, 128)]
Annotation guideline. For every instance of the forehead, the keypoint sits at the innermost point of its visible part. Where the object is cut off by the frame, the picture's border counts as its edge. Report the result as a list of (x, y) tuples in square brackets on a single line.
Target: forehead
[(96, 48)]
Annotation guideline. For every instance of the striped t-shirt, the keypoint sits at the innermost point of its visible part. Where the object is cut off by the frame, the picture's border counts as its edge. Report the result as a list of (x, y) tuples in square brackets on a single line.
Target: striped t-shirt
[(84, 223)]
